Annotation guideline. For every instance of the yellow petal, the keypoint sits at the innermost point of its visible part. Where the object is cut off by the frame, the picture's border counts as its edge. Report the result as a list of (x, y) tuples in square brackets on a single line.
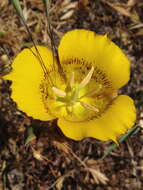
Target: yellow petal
[(116, 120), (98, 51), (26, 77)]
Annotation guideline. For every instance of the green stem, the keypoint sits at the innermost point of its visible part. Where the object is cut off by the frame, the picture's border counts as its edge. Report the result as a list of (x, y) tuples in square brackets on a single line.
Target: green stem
[(131, 132)]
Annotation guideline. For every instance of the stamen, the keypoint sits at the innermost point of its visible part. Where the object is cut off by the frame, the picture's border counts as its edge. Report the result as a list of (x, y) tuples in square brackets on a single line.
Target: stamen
[(93, 92), (59, 92), (86, 80), (72, 80), (89, 107)]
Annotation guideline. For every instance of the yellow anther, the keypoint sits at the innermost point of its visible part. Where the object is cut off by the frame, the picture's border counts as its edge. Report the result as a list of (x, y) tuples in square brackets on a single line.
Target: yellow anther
[(89, 107), (86, 80), (59, 92), (94, 91)]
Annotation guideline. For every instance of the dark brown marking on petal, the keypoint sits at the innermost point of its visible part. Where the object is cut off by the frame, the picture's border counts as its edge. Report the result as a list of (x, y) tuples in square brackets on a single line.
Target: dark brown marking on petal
[(83, 66)]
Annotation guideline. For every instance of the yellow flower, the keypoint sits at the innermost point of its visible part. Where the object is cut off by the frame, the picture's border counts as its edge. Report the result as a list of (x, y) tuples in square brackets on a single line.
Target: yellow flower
[(81, 92)]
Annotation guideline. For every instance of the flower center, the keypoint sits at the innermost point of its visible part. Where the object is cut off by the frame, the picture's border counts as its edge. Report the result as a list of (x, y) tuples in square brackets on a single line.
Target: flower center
[(77, 100), (73, 94)]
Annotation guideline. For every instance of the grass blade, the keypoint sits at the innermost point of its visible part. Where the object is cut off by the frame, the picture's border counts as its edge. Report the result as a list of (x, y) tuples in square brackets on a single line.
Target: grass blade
[(131, 132), (47, 4), (18, 9)]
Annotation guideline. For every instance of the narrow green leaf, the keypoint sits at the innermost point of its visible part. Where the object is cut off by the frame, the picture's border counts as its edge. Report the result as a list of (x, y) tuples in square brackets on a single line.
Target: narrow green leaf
[(18, 8), (47, 4), (19, 11), (131, 132)]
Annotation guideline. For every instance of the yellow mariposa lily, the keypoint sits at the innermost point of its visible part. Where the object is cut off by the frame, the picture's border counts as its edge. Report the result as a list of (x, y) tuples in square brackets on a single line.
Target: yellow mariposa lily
[(83, 95)]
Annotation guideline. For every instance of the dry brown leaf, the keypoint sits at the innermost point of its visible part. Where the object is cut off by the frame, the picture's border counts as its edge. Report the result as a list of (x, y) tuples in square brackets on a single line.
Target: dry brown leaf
[(124, 10), (69, 6), (67, 15), (59, 182), (98, 176), (131, 3), (84, 2), (38, 156), (62, 146), (68, 9), (136, 26), (91, 163), (121, 8)]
